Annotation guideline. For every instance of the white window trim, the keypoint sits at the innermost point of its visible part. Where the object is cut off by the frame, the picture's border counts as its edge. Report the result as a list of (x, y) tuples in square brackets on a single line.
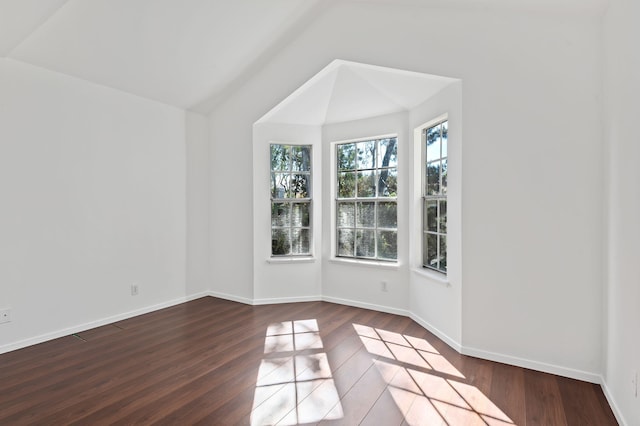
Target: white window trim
[(432, 273), (333, 169), (370, 263), (293, 258)]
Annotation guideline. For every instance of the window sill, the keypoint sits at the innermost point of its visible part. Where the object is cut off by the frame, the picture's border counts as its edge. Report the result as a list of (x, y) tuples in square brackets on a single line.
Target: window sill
[(284, 260), (366, 263), (432, 276)]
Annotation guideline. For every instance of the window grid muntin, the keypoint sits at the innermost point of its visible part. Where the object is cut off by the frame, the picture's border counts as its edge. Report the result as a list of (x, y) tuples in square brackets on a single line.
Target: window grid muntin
[(438, 198), (356, 200), (291, 201)]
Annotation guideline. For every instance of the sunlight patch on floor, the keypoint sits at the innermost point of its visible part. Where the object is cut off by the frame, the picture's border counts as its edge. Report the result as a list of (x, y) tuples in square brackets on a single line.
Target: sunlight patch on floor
[(425, 386), (293, 387)]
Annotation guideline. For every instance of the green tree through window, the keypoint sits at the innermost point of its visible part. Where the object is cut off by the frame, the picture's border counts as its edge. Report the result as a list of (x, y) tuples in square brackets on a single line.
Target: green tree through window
[(290, 200), (366, 199), (434, 200)]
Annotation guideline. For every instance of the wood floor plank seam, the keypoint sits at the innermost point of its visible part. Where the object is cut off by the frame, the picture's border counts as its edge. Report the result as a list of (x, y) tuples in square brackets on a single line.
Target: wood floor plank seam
[(212, 355), (199, 363)]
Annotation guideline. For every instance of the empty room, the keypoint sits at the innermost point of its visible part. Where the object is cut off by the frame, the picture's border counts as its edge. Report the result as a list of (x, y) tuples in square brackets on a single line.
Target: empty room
[(261, 212)]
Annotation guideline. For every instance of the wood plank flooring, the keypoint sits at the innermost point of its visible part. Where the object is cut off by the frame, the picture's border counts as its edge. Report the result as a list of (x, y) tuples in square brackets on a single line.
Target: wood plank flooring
[(216, 362)]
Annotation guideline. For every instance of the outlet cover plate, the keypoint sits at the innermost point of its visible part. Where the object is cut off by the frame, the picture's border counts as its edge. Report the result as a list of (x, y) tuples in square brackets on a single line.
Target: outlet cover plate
[(5, 315)]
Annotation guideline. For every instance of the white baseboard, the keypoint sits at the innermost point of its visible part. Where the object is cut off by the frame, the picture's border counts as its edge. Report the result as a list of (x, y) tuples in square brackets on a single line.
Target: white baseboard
[(295, 299), (272, 301), (231, 297), (97, 323), (442, 336), (234, 298), (532, 365), (373, 307), (612, 402), (478, 353)]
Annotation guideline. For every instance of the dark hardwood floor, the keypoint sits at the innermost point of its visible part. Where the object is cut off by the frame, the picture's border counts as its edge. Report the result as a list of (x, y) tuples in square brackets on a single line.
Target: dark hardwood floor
[(212, 361)]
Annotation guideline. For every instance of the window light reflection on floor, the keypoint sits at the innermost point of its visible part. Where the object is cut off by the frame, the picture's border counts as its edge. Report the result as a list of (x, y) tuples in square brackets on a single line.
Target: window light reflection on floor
[(425, 386), (294, 384)]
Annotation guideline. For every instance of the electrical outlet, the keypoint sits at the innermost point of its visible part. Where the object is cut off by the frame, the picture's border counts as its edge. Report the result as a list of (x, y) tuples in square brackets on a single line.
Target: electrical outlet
[(134, 289), (383, 286), (5, 315)]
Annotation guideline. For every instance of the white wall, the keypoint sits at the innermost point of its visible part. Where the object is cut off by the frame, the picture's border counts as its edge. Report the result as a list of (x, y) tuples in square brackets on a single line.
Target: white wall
[(197, 152), (351, 281), (435, 301), (279, 279), (622, 109), (231, 217), (359, 282), (92, 185), (93, 189), (532, 182)]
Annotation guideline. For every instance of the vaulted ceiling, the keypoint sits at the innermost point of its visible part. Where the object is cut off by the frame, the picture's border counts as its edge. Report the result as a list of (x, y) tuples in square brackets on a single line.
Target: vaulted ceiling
[(347, 91), (180, 52), (174, 51)]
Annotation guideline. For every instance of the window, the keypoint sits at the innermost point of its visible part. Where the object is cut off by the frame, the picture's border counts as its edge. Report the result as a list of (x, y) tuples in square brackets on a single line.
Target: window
[(434, 200), (366, 199), (290, 200)]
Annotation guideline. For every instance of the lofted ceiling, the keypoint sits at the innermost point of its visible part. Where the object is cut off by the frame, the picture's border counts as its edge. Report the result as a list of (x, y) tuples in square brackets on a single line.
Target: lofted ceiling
[(347, 91), (180, 52), (174, 51)]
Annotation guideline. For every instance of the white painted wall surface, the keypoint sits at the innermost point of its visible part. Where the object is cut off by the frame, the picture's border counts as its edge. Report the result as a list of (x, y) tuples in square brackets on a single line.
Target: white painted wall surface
[(532, 182), (622, 109), (359, 282), (435, 300), (197, 151), (92, 185), (279, 280), (231, 200)]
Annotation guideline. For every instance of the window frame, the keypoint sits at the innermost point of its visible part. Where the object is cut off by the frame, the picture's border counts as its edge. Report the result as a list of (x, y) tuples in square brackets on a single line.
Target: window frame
[(290, 201), (376, 200), (442, 196)]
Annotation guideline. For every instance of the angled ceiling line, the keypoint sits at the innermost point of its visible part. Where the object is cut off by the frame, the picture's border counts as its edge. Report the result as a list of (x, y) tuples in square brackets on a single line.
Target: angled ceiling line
[(392, 93), (35, 29), (331, 93), (349, 91), (92, 83), (354, 71), (288, 36), (323, 75)]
